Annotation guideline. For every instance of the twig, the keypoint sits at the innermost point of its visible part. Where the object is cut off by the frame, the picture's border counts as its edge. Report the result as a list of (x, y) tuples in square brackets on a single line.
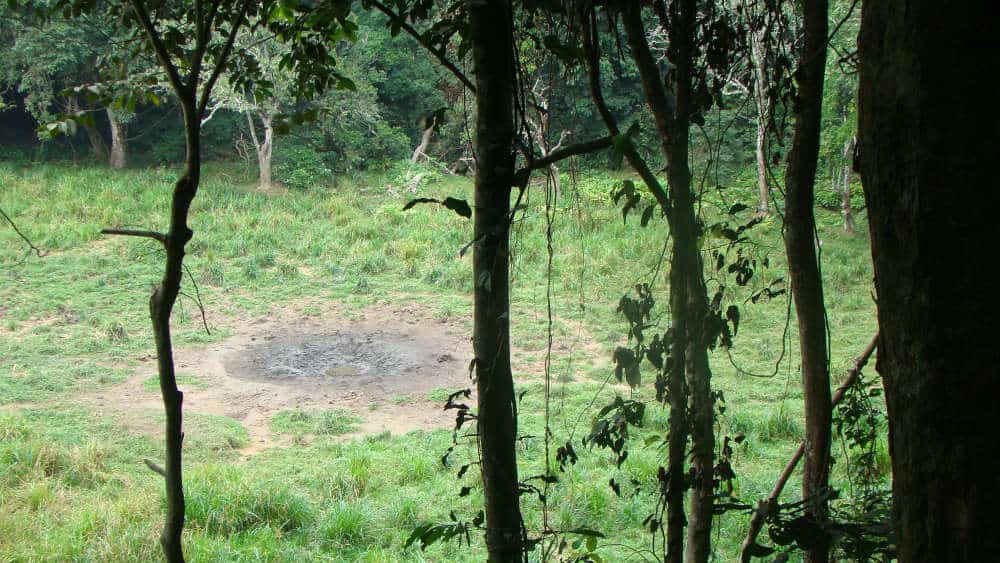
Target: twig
[(137, 233), (764, 506), (38, 252)]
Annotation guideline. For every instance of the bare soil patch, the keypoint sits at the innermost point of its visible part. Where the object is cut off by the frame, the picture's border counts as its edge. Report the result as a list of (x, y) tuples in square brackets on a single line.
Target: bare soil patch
[(289, 360)]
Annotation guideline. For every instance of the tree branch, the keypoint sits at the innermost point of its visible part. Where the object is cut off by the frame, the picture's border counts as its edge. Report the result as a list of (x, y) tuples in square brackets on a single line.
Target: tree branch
[(521, 176), (220, 62), (38, 252), (764, 506), (438, 53), (161, 50), (592, 57), (155, 467), (162, 238)]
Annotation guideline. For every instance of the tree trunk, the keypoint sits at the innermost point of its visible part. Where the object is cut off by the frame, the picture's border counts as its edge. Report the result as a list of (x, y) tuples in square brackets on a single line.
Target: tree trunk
[(161, 305), (118, 156), (845, 205), (266, 152), (804, 271), (762, 101), (928, 143), (492, 51), (677, 437), (689, 302), (425, 141), (263, 148)]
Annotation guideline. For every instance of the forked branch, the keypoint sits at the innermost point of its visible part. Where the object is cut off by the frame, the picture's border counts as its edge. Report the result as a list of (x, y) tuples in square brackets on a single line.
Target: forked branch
[(764, 506)]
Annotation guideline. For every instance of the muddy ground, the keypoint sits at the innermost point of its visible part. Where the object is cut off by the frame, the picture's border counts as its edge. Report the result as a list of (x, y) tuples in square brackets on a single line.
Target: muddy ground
[(380, 364)]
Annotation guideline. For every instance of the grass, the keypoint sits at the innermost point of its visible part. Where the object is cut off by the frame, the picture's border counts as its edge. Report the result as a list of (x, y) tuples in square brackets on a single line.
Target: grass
[(298, 422), (72, 484)]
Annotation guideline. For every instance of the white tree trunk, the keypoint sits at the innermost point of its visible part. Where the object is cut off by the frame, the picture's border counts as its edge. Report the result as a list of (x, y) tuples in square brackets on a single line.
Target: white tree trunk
[(425, 141), (264, 148), (846, 210), (762, 99), (118, 155)]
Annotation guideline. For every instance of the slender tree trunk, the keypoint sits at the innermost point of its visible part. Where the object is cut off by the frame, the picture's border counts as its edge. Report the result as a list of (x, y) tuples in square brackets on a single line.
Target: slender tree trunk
[(492, 53), (266, 152), (845, 204), (688, 298), (425, 141), (928, 138), (118, 157), (263, 148), (803, 268), (677, 437), (762, 101), (161, 305)]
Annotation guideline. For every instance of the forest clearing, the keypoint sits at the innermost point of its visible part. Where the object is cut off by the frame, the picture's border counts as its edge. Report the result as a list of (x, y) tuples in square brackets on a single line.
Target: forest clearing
[(502, 280)]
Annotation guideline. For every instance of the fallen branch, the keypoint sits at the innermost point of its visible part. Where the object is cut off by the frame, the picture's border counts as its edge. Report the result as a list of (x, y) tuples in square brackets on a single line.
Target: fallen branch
[(521, 177), (155, 467), (38, 252), (134, 233), (764, 506)]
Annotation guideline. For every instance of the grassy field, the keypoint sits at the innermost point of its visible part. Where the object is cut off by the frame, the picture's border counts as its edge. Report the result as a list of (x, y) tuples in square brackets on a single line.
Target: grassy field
[(72, 482)]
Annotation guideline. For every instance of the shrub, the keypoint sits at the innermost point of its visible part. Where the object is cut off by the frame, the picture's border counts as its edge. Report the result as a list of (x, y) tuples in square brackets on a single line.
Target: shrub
[(300, 167)]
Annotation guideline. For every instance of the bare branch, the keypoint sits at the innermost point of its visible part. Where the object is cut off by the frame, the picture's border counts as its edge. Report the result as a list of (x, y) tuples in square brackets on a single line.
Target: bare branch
[(162, 238), (38, 252), (211, 113), (220, 62), (592, 56), (155, 467), (438, 53), (764, 506), (521, 176), (161, 50)]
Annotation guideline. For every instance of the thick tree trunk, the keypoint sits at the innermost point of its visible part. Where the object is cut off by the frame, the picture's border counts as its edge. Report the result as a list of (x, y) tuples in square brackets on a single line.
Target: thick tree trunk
[(845, 203), (118, 157), (492, 52), (803, 267), (928, 139), (689, 302), (762, 101)]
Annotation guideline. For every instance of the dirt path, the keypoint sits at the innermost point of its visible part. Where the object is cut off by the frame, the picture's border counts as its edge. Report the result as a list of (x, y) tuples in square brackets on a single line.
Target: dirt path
[(381, 365)]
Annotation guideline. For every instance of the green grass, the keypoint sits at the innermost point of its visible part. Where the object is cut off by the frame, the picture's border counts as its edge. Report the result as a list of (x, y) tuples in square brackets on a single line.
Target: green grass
[(72, 482), (298, 422)]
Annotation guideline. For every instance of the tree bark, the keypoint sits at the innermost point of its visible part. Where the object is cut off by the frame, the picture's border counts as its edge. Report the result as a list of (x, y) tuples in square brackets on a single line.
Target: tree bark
[(928, 138), (492, 52), (804, 270), (118, 157), (845, 205)]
